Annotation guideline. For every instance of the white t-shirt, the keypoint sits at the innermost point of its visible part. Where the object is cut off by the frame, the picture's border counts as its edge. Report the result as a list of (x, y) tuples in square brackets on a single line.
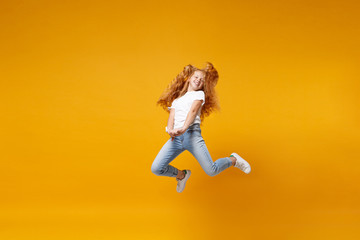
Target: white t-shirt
[(182, 107)]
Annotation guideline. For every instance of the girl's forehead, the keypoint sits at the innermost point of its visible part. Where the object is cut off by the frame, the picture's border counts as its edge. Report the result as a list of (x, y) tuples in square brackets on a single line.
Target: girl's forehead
[(199, 73)]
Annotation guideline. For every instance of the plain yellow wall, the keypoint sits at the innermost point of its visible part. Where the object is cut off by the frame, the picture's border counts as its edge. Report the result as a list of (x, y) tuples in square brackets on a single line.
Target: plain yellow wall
[(80, 127)]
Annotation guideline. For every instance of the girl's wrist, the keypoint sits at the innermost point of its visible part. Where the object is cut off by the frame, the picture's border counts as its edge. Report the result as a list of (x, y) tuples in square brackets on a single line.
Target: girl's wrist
[(167, 129)]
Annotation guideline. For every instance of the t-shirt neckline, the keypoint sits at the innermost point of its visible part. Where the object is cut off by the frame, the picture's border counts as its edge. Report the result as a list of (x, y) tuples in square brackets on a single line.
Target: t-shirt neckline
[(192, 91)]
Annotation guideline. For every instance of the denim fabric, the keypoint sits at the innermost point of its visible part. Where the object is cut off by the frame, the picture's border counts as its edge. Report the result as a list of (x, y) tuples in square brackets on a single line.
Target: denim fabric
[(192, 141)]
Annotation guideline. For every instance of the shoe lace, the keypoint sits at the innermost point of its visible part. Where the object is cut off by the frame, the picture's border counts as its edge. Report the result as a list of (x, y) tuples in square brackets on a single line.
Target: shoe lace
[(242, 165)]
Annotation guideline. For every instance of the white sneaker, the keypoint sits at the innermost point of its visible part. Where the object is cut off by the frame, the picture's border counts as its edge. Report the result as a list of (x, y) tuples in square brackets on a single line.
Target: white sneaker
[(241, 163), (181, 183)]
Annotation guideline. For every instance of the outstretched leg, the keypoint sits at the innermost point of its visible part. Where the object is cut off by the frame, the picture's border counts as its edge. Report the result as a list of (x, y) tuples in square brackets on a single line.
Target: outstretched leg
[(198, 149)]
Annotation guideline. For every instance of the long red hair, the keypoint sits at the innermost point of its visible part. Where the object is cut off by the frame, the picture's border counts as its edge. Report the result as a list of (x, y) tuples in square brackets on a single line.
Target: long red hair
[(179, 85)]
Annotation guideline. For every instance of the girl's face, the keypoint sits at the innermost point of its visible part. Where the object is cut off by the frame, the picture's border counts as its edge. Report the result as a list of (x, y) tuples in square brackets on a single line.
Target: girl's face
[(196, 82)]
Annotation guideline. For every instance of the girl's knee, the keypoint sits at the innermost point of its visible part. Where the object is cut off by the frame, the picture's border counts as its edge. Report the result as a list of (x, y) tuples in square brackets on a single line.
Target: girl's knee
[(211, 173), (155, 169)]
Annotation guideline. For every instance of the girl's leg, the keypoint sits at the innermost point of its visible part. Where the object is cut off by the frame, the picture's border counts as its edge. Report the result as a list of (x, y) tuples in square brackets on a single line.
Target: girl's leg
[(168, 152), (198, 149)]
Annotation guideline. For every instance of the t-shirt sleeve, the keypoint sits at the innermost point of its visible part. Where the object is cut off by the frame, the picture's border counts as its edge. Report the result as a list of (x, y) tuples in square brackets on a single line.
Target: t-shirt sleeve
[(200, 95), (172, 105)]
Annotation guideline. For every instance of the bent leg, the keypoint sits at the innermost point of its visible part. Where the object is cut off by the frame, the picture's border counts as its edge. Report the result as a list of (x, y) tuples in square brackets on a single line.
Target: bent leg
[(168, 152)]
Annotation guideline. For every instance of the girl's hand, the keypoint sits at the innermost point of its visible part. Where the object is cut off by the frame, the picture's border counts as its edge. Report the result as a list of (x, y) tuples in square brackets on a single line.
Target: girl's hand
[(172, 134), (179, 131)]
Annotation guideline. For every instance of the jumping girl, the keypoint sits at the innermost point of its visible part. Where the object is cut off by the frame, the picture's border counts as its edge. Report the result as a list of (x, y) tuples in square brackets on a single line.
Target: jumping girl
[(192, 97)]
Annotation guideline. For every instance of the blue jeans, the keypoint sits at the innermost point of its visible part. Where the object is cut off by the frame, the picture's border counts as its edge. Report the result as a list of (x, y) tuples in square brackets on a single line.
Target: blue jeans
[(192, 141)]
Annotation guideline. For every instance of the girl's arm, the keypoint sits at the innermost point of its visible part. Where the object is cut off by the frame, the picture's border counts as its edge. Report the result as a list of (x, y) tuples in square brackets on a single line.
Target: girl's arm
[(192, 114), (170, 124)]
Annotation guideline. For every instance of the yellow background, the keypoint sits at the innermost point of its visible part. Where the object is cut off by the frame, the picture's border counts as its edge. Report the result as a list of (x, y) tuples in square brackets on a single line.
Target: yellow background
[(80, 127)]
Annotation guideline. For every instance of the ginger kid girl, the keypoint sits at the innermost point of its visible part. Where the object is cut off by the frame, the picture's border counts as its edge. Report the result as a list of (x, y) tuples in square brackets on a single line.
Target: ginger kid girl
[(188, 99)]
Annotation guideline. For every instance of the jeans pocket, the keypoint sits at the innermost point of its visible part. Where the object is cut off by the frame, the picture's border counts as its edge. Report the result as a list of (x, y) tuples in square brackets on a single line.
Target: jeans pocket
[(195, 133)]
